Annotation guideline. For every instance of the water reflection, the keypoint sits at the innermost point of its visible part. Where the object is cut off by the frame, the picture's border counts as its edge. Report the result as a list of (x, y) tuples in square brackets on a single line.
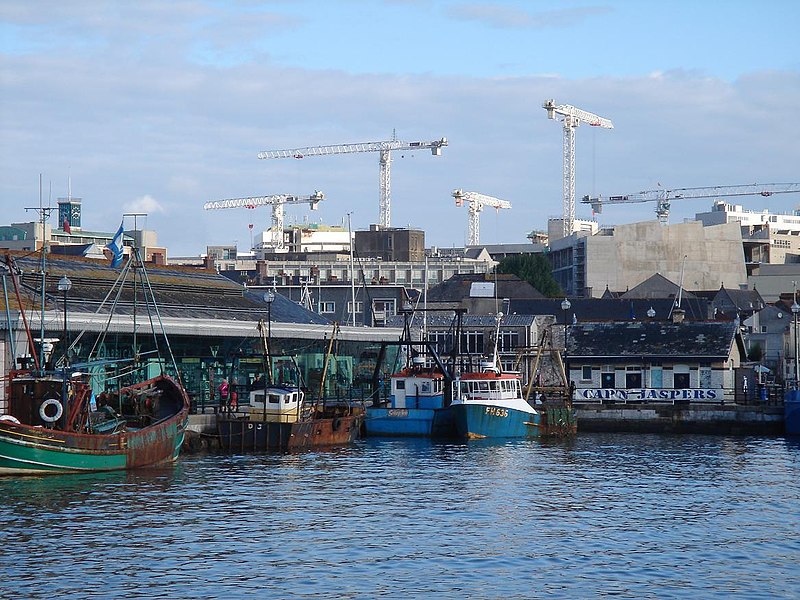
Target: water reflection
[(636, 516)]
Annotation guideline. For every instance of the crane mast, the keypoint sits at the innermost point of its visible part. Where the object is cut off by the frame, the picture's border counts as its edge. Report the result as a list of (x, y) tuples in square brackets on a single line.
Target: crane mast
[(277, 202), (384, 149), (572, 117), (663, 197), (476, 202)]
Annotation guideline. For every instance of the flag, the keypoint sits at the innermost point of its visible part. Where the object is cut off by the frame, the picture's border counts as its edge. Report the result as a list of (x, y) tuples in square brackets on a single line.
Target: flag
[(66, 227), (116, 248)]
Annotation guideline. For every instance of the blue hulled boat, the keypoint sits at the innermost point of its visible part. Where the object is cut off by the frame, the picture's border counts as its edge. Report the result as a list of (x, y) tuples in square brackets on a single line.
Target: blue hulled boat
[(416, 405), (791, 411), (489, 404)]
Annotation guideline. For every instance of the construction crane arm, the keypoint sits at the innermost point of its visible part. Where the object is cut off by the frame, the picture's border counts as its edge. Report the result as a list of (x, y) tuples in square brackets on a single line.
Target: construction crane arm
[(386, 146), (255, 201), (663, 196), (566, 110), (482, 199)]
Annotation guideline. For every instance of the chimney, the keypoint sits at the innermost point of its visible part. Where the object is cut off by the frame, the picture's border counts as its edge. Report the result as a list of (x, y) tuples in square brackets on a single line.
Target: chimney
[(677, 315)]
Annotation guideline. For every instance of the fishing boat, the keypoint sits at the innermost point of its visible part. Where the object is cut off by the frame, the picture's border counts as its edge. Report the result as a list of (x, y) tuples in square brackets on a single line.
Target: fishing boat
[(489, 404), (417, 404), (791, 408), (56, 423), (278, 417)]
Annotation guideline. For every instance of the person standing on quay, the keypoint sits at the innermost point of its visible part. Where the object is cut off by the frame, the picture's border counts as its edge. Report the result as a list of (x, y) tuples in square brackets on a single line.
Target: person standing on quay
[(223, 395)]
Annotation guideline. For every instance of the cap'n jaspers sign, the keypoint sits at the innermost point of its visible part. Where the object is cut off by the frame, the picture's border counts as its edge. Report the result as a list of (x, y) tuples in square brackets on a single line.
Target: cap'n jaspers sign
[(655, 395)]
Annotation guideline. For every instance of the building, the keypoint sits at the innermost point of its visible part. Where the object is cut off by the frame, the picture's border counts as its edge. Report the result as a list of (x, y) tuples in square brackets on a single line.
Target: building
[(621, 257), (480, 293), (390, 244), (212, 323), (656, 362), (768, 238)]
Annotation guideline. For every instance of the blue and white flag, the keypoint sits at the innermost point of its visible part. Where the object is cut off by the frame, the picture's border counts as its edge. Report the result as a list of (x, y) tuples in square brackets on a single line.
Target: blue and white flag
[(116, 248)]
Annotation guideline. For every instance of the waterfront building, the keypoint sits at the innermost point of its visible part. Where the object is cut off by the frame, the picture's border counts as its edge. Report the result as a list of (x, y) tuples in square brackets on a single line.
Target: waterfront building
[(212, 323), (658, 362)]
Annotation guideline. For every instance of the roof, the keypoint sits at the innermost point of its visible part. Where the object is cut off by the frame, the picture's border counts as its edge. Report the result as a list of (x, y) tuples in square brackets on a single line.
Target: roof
[(656, 286), (610, 309), (458, 287), (439, 320), (182, 292), (695, 339)]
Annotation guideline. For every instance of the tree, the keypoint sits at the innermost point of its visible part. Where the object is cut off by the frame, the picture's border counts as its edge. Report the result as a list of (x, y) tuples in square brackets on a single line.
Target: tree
[(533, 268)]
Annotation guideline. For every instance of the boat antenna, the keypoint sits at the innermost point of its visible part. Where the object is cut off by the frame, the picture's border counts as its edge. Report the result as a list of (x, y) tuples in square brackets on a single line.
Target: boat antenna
[(496, 357), (44, 215)]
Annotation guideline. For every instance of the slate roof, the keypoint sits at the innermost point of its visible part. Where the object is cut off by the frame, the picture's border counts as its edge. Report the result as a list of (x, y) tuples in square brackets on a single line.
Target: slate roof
[(183, 292), (458, 287), (697, 340), (610, 309), (656, 286), (467, 321)]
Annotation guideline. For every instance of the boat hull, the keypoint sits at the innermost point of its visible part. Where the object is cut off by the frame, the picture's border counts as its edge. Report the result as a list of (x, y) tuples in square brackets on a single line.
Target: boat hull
[(791, 408), (243, 435), (35, 450), (409, 422), (478, 421)]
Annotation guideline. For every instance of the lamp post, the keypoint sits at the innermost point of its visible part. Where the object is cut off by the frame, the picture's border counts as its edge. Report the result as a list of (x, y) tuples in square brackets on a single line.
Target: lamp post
[(795, 310), (651, 313), (269, 298), (64, 286), (565, 306)]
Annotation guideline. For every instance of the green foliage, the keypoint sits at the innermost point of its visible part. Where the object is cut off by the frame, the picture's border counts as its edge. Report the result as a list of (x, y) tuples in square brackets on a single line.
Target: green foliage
[(533, 268), (756, 353)]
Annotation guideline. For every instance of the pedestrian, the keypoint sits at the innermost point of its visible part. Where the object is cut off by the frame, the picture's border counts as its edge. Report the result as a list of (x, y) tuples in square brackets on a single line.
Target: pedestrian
[(223, 395), (234, 394)]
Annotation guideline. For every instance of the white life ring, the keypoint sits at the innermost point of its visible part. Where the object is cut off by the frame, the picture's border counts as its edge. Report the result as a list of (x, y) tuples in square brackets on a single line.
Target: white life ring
[(43, 410), (9, 418)]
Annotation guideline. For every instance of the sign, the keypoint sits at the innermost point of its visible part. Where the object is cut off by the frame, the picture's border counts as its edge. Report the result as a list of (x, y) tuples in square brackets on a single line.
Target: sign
[(647, 394)]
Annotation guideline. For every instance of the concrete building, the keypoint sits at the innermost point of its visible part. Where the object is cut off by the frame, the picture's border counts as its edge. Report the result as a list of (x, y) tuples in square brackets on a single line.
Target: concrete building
[(621, 257), (555, 228), (391, 244)]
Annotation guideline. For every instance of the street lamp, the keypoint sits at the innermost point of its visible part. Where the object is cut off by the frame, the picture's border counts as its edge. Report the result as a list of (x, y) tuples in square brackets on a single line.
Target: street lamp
[(651, 313), (565, 306), (64, 286), (795, 310), (269, 298)]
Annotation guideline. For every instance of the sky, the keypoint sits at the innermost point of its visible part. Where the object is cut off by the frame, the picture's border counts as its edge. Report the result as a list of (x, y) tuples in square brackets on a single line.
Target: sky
[(159, 107)]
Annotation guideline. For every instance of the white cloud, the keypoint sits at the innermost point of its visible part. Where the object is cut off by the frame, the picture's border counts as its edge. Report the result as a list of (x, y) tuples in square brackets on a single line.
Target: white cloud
[(144, 204)]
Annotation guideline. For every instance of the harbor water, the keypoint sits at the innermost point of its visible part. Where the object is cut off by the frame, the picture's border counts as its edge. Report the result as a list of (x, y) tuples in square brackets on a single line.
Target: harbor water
[(602, 515)]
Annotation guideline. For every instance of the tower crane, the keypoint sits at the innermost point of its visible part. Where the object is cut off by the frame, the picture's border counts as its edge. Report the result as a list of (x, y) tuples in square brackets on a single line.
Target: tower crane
[(277, 203), (572, 118), (385, 162), (663, 197), (476, 203)]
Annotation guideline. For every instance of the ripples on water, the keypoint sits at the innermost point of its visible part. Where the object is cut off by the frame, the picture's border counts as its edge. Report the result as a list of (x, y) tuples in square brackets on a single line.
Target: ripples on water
[(629, 516)]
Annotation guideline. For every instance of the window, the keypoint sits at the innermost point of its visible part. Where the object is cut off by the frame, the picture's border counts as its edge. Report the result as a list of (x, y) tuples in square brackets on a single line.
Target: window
[(656, 377), (509, 340), (442, 341), (359, 307), (586, 373), (633, 379), (681, 381), (472, 342), (400, 384), (327, 307), (274, 399), (384, 306), (607, 381)]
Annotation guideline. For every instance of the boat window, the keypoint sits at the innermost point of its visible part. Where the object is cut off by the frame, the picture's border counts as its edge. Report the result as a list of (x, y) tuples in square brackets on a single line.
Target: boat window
[(464, 387), (426, 387), (274, 399), (399, 384), (483, 386), (287, 399), (259, 398)]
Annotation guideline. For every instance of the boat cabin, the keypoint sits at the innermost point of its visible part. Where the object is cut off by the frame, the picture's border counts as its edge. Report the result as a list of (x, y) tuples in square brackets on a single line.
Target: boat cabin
[(418, 387), (487, 386), (276, 404)]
